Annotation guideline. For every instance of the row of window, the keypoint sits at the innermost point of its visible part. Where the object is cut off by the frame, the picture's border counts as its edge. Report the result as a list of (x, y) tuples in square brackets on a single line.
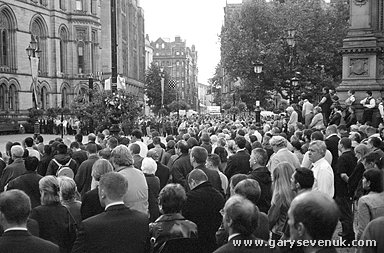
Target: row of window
[(80, 5)]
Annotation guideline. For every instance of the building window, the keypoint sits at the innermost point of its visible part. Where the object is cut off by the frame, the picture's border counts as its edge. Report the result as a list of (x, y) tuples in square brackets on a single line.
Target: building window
[(63, 50), (163, 46), (93, 51), (12, 97), (44, 98), (157, 45), (94, 6), (64, 97), (80, 57), (79, 5), (177, 52), (62, 4), (7, 40), (2, 96)]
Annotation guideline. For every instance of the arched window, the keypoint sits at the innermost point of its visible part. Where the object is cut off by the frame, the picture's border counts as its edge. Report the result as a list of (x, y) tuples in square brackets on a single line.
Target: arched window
[(62, 4), (44, 98), (63, 49), (64, 97), (79, 5), (80, 57), (2, 96), (39, 32), (12, 97), (7, 40)]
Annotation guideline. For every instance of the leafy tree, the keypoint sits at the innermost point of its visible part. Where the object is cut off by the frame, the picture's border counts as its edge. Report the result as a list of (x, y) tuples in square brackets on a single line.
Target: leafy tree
[(258, 33), (181, 105), (153, 88), (107, 109)]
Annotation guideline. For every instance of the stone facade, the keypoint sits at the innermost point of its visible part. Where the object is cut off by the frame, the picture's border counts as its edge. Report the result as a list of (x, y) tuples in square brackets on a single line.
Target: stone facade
[(74, 47), (180, 61)]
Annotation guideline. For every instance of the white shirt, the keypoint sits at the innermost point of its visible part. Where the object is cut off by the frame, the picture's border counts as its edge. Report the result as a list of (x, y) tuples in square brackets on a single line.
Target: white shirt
[(306, 163), (114, 204), (33, 153), (307, 108), (371, 104), (324, 180), (381, 109), (143, 148), (232, 235)]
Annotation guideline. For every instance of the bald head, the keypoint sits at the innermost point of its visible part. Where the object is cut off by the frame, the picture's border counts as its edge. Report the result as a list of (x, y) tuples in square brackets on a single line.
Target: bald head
[(196, 177), (154, 154), (316, 212)]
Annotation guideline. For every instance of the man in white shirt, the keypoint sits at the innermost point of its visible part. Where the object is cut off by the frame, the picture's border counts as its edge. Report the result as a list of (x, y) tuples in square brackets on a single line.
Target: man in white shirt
[(307, 112), (322, 170), (31, 151), (213, 163), (136, 138), (369, 104)]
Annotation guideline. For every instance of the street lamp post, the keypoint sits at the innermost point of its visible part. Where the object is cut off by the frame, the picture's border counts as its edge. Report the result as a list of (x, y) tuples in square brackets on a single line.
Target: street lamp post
[(258, 69), (33, 53)]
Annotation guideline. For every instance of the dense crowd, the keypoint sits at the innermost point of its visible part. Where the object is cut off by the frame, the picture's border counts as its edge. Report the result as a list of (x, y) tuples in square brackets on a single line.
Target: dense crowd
[(210, 183)]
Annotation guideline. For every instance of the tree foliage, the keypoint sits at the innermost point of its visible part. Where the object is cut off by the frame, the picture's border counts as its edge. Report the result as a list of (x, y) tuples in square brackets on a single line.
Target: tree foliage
[(258, 33), (153, 88), (106, 109)]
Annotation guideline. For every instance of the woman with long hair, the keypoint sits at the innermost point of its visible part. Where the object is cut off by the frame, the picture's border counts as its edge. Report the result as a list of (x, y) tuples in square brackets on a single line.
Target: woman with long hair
[(282, 197), (53, 218)]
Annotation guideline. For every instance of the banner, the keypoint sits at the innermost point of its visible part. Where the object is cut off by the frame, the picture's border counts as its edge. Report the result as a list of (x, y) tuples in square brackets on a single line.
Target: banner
[(107, 84), (34, 67), (162, 91)]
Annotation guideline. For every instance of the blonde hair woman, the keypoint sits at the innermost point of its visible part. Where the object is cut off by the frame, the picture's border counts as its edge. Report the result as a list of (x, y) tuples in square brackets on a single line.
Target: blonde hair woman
[(69, 197), (282, 197), (53, 218)]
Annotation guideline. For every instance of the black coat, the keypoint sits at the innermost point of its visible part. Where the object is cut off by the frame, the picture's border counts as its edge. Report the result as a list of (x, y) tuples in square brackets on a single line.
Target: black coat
[(180, 169), (332, 145), (153, 183), (90, 204), (203, 207), (118, 229), (162, 173), (22, 241), (83, 176), (263, 177), (238, 164), (29, 183)]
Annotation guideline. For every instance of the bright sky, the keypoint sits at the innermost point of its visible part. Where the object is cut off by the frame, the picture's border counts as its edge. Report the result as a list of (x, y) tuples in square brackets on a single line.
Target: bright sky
[(196, 21)]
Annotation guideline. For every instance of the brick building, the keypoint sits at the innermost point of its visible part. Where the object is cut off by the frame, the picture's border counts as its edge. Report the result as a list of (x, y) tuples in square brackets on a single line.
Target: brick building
[(73, 48), (180, 61)]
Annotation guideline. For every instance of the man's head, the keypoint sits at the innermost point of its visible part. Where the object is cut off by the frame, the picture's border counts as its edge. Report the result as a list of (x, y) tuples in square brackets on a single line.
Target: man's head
[(302, 179), (345, 144), (259, 157), (317, 150), (31, 163), (28, 142), (134, 148), (317, 135), (278, 142), (240, 142), (182, 147), (39, 139), (312, 216), (91, 148), (15, 207), (235, 179), (249, 189), (91, 137), (79, 138), (121, 156), (369, 93), (198, 156), (112, 188), (374, 143), (62, 148), (112, 143), (156, 140), (196, 177), (213, 162), (17, 151), (332, 129), (240, 216), (137, 134)]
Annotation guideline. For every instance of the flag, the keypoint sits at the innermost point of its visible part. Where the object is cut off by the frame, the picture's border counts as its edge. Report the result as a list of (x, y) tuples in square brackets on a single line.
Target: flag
[(172, 84)]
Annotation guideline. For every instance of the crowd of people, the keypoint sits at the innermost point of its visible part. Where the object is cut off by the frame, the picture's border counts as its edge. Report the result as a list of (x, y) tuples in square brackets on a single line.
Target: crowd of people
[(206, 187)]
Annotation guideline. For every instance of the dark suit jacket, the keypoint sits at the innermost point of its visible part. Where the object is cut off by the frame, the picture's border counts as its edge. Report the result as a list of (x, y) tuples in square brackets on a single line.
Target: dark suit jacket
[(90, 204), (203, 207), (332, 145), (22, 241), (137, 161), (79, 156), (118, 229), (263, 177), (29, 183), (180, 169), (12, 171), (238, 164), (83, 176), (230, 247), (162, 173)]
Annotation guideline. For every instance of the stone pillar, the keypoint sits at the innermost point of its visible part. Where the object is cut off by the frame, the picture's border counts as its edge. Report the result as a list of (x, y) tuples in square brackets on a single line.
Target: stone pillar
[(363, 63)]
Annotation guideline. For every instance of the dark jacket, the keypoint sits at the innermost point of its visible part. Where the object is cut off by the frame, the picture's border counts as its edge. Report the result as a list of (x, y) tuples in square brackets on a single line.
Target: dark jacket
[(83, 176), (117, 230), (345, 164), (238, 164), (230, 247), (263, 177), (153, 183), (53, 223), (62, 159), (43, 165), (332, 144), (19, 241), (90, 204), (203, 207), (171, 226), (29, 183), (79, 156), (12, 171), (137, 161), (163, 174), (180, 169), (354, 182)]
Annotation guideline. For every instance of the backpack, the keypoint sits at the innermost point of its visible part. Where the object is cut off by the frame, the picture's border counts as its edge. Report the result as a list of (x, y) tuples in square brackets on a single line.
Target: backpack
[(64, 170)]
